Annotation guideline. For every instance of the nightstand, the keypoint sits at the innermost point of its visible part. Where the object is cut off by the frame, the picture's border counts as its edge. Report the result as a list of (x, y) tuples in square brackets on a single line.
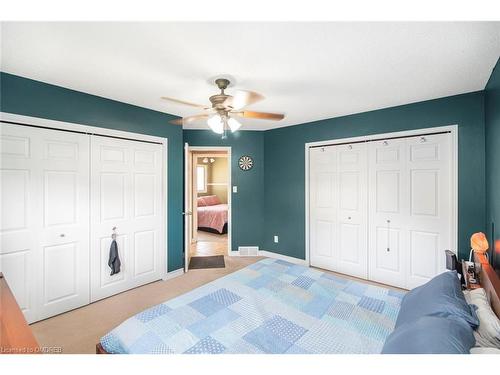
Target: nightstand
[(469, 285)]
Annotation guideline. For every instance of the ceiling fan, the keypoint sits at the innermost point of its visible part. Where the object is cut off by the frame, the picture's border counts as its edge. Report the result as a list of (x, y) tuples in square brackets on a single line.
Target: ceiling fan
[(221, 115)]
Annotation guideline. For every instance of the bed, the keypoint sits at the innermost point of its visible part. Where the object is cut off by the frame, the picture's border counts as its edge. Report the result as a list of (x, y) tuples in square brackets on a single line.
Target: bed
[(212, 214), (271, 306)]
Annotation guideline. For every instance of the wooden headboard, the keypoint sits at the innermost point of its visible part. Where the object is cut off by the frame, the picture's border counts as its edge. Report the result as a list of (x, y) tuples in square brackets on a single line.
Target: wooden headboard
[(490, 282), (16, 336)]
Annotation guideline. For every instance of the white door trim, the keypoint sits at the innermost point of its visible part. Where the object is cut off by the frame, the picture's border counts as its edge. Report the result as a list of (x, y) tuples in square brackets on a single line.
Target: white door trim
[(453, 129), (61, 125), (227, 149)]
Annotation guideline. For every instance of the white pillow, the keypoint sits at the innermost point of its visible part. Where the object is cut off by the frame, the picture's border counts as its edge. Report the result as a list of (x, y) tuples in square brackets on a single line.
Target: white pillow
[(481, 350), (488, 332)]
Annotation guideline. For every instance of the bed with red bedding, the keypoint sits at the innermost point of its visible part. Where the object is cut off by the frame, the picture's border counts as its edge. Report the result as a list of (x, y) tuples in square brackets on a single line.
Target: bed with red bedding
[(212, 214)]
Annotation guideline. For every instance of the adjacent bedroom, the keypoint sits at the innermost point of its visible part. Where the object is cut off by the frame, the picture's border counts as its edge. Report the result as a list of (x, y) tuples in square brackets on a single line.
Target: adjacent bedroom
[(210, 213), (257, 188)]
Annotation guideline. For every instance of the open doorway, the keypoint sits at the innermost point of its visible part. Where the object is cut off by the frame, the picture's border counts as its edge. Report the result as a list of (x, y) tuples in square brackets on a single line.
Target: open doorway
[(210, 196)]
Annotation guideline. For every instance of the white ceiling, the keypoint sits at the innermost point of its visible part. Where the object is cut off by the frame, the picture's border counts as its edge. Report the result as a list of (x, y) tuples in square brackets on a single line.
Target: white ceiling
[(309, 71)]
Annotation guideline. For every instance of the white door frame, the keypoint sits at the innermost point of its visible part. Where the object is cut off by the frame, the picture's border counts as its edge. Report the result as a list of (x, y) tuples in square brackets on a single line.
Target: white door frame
[(453, 129), (93, 130), (188, 203), (194, 193), (209, 149)]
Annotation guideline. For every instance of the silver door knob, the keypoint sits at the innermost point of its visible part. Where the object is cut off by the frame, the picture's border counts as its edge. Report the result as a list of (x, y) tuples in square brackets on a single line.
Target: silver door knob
[(187, 213), (62, 235)]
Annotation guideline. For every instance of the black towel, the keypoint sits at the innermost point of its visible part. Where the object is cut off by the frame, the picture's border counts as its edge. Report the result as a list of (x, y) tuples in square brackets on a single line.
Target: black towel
[(114, 260)]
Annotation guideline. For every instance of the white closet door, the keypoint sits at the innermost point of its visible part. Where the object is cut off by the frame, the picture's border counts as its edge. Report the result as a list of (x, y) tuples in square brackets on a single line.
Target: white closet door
[(44, 230), (338, 231), (429, 221), (387, 212), (410, 209), (126, 186), (352, 205), (18, 225), (323, 207), (64, 241)]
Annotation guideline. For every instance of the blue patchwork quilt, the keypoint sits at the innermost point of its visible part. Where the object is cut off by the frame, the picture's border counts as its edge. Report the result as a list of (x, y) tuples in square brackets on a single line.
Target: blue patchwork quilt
[(271, 306)]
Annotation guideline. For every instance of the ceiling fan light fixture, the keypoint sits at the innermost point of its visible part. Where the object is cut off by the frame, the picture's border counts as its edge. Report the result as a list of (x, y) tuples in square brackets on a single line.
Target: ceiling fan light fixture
[(233, 124), (215, 123)]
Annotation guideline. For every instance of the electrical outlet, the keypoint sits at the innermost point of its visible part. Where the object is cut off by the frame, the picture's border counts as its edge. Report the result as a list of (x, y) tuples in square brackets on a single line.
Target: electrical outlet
[(276, 239), (235, 189)]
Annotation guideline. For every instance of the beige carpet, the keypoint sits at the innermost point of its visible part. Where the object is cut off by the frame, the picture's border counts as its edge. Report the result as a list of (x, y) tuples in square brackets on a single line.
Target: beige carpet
[(78, 331)]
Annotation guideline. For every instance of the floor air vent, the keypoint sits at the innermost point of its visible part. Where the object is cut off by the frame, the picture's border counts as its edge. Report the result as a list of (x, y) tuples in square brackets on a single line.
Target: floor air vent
[(248, 250)]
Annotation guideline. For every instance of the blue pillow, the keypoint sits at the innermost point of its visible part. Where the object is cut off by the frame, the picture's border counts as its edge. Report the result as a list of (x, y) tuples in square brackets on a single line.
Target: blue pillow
[(442, 296), (431, 335)]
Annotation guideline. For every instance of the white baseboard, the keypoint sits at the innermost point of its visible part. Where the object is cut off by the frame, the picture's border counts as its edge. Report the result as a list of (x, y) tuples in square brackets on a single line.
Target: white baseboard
[(286, 258), (270, 254), (172, 274)]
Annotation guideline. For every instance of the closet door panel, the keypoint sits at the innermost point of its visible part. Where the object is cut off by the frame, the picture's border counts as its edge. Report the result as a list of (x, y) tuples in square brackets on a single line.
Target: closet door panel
[(429, 219), (352, 203), (146, 211), (18, 214), (323, 187), (126, 189), (63, 252), (387, 211), (44, 230)]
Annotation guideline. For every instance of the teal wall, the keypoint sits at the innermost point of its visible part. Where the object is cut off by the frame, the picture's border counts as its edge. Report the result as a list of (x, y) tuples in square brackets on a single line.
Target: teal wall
[(271, 197), (32, 98), (248, 203), (492, 121), (284, 194)]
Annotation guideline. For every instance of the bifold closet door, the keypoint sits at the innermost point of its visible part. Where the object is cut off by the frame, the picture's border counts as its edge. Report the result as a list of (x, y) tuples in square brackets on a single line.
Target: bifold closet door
[(338, 205), (388, 197), (430, 219), (126, 191), (323, 207), (44, 252), (410, 209)]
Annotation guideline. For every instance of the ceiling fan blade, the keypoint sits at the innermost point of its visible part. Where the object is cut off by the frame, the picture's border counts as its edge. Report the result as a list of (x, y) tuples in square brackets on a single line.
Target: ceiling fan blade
[(177, 121), (178, 101), (242, 98), (188, 119), (260, 115)]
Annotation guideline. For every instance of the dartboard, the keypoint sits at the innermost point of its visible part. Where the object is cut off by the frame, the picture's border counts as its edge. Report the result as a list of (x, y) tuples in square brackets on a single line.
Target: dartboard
[(245, 163)]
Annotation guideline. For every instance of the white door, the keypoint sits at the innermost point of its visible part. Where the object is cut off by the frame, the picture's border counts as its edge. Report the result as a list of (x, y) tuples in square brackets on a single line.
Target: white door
[(323, 207), (430, 206), (410, 209), (352, 206), (126, 191), (388, 211), (338, 232), (188, 204), (44, 229)]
